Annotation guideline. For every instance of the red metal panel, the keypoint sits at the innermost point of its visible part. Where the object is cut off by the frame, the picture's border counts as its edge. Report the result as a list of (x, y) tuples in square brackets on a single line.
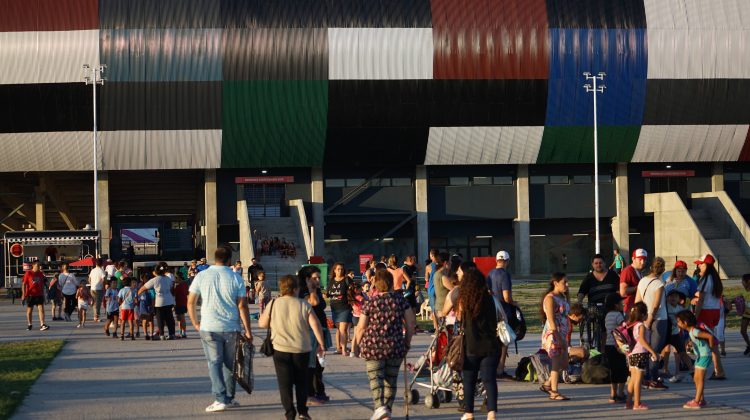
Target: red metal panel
[(263, 179), (668, 174), (48, 15), (745, 153), (490, 39)]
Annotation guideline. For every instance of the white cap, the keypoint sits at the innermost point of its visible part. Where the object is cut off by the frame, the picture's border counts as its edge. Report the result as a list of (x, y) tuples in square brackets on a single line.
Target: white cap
[(640, 253), (502, 255)]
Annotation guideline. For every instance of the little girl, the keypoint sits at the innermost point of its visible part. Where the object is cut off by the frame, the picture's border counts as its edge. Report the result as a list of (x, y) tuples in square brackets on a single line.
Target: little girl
[(84, 299), (262, 292), (618, 365), (357, 301), (638, 357), (703, 341)]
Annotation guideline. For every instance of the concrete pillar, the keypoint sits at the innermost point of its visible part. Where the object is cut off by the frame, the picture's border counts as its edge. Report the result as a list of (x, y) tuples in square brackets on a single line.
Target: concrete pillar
[(40, 208), (211, 221), (318, 212), (521, 225), (717, 177), (102, 186), (423, 221), (621, 222)]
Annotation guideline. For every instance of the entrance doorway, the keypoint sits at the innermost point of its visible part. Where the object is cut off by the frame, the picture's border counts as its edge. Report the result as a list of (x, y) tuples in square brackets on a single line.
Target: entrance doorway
[(265, 200), (668, 184)]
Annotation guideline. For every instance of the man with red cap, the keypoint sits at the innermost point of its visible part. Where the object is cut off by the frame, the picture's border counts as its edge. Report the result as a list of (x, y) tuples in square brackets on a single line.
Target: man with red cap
[(630, 277)]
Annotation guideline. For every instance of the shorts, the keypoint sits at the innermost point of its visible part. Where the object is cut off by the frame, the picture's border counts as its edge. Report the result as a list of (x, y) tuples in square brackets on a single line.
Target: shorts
[(127, 315), (146, 316), (710, 317), (112, 315), (83, 306), (703, 362), (32, 301), (180, 310), (638, 361), (676, 341), (342, 315)]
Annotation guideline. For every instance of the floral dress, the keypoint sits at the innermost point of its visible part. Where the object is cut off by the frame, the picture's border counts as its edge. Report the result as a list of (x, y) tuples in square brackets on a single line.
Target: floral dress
[(384, 338), (550, 341)]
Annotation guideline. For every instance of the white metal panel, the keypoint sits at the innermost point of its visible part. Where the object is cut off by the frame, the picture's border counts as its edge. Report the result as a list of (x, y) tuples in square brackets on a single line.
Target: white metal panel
[(698, 53), (160, 149), (690, 143), (47, 57), (55, 151), (697, 14), (379, 53), (483, 145)]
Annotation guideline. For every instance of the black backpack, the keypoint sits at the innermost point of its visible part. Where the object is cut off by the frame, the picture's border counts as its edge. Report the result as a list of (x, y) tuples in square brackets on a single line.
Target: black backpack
[(523, 369), (517, 322)]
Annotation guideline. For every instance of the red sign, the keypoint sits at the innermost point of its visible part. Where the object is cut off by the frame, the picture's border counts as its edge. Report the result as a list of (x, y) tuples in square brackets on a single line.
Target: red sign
[(485, 264), (263, 179), (666, 174), (16, 250), (363, 258)]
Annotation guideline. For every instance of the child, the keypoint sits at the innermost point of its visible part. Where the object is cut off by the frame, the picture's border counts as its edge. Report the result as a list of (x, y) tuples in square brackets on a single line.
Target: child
[(262, 292), (357, 301), (675, 304), (54, 294), (703, 341), (112, 305), (180, 298), (146, 310), (84, 299), (618, 365), (638, 357), (746, 315), (127, 299)]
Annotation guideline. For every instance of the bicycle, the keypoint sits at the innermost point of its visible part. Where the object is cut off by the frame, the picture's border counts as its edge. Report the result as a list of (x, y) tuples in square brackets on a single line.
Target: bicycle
[(592, 326)]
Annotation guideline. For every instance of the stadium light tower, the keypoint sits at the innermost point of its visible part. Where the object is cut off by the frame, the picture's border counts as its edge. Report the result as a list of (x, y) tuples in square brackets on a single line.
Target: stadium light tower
[(93, 76), (594, 89)]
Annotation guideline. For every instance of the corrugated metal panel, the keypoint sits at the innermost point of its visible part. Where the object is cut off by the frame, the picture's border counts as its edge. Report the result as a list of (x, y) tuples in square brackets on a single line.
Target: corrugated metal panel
[(698, 53), (46, 57), (275, 54), (697, 101), (483, 145), (379, 13), (144, 14), (155, 55), (271, 123), (697, 14), (56, 151), (380, 53), (160, 106), (745, 153), (576, 144), (690, 143), (621, 53), (376, 147), (48, 15), (45, 107), (162, 149), (490, 39), (603, 14)]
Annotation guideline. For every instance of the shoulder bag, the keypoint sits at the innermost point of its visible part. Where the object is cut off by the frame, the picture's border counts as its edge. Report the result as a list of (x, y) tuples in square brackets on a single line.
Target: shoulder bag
[(456, 352), (504, 332), (267, 347)]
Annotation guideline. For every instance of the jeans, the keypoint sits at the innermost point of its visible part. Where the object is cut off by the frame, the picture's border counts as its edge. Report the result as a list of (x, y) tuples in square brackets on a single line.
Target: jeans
[(97, 296), (164, 316), (383, 376), (70, 304), (219, 351), (659, 335), (292, 375), (484, 367)]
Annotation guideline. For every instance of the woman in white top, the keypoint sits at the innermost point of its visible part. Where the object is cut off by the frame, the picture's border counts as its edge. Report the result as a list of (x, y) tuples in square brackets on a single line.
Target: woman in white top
[(69, 284), (651, 292), (163, 285)]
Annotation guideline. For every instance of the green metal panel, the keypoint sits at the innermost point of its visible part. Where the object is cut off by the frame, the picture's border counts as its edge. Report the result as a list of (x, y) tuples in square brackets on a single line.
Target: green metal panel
[(576, 144), (274, 123)]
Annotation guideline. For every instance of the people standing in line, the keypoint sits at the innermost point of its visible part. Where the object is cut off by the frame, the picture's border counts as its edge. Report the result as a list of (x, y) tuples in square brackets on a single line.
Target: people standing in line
[(128, 300), (708, 305), (96, 281), (651, 292), (292, 345), (384, 345), (618, 263), (554, 314), (341, 308), (638, 357), (618, 364), (430, 271), (224, 313), (32, 292), (69, 284), (164, 303), (441, 280), (111, 305), (501, 287), (478, 314), (309, 281), (54, 295), (180, 302), (630, 277)]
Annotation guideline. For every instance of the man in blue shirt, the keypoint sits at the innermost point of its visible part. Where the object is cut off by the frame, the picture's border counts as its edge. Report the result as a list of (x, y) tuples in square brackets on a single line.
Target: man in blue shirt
[(224, 305), (499, 283), (431, 270)]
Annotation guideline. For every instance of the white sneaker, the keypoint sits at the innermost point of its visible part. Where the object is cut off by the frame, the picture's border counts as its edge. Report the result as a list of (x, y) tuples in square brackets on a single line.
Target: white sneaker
[(216, 407), (674, 379), (380, 413), (232, 404)]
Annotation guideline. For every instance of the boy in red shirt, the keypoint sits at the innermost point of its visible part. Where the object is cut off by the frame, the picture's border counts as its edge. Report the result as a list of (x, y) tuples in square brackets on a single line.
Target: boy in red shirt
[(32, 291), (180, 300), (630, 276)]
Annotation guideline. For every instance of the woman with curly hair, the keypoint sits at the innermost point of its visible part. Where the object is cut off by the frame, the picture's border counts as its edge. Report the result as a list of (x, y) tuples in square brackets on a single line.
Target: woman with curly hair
[(478, 315)]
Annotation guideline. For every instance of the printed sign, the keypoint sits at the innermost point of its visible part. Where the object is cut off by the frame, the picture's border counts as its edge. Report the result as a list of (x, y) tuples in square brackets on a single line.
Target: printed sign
[(264, 180), (363, 258)]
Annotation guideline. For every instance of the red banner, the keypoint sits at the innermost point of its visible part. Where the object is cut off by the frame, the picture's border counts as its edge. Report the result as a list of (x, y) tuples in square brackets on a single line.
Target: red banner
[(263, 180), (363, 258), (666, 174)]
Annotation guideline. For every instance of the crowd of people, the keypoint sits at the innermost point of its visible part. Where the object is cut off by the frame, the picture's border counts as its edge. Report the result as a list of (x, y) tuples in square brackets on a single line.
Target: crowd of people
[(274, 245)]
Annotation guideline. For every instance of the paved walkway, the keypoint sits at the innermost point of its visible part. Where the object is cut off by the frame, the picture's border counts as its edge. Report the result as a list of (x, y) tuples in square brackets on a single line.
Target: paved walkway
[(99, 378)]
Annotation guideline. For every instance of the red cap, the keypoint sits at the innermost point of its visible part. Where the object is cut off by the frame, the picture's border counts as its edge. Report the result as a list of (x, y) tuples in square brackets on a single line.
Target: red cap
[(640, 253), (680, 264), (707, 259)]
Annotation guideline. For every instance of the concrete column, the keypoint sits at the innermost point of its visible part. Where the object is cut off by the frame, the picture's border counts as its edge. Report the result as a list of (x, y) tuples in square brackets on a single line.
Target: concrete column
[(40, 208), (102, 186), (717, 177), (621, 222), (211, 220), (521, 225), (423, 221), (318, 212)]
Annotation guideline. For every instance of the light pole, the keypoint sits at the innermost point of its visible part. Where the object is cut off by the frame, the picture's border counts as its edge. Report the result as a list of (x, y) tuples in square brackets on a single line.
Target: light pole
[(93, 76), (594, 89)]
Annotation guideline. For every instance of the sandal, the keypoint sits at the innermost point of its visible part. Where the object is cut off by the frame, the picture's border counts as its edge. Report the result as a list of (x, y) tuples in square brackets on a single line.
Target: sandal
[(612, 399), (546, 389), (556, 396)]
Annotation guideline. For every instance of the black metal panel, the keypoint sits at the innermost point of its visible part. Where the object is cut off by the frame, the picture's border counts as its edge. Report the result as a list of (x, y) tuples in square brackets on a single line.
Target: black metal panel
[(161, 105), (45, 107), (593, 14), (375, 146), (143, 14), (697, 101)]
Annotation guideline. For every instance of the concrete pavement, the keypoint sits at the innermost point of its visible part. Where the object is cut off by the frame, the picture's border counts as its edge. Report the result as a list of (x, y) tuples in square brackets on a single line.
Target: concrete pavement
[(95, 377)]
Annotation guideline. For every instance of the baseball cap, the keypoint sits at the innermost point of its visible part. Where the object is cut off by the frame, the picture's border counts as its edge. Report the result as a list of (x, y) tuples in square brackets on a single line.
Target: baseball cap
[(707, 258), (640, 253), (680, 264), (502, 255)]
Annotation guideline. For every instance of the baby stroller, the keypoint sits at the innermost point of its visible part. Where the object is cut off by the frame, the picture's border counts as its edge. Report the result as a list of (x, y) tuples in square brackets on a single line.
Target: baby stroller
[(433, 365)]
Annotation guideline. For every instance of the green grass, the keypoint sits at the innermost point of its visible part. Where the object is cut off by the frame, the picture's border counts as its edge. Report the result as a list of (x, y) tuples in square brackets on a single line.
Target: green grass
[(21, 363), (733, 320)]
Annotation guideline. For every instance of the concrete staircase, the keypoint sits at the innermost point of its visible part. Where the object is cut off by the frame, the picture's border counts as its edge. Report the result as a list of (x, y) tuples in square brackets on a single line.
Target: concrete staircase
[(713, 213), (282, 228)]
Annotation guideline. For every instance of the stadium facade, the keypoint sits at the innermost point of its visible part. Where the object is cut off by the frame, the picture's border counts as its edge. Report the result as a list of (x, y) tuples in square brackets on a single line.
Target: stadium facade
[(400, 124)]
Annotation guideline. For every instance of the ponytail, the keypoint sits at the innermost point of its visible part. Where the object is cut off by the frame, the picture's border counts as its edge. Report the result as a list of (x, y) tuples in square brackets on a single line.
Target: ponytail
[(161, 268)]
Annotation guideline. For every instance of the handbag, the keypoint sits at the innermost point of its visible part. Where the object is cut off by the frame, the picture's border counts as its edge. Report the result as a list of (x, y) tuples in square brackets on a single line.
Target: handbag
[(243, 363), (504, 332), (456, 352), (267, 347)]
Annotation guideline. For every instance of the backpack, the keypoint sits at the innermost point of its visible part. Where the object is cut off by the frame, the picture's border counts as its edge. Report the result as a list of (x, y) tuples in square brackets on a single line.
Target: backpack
[(624, 339), (541, 363), (573, 373), (523, 368), (595, 370), (517, 322)]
